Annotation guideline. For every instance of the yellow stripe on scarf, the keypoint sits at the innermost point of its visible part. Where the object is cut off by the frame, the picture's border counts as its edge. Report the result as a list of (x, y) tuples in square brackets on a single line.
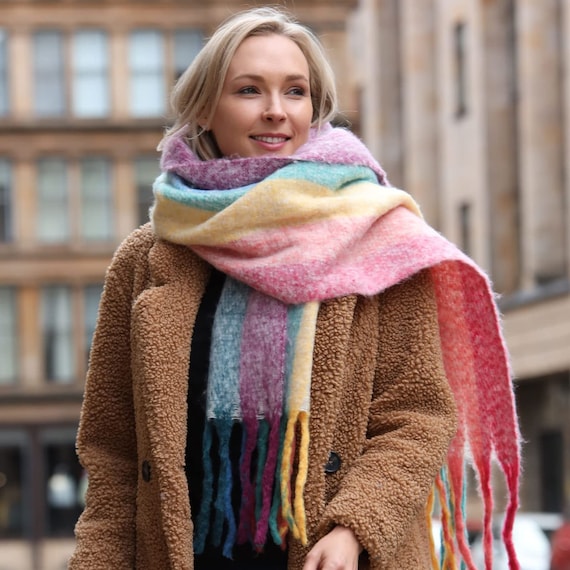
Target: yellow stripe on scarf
[(267, 204), (298, 410)]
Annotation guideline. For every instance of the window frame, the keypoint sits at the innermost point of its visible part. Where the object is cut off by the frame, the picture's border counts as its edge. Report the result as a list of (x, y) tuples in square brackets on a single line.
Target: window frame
[(4, 73), (177, 67), (45, 203), (6, 201), (70, 204), (12, 335), (105, 194), (60, 336), (52, 75), (139, 73), (78, 74), (143, 185)]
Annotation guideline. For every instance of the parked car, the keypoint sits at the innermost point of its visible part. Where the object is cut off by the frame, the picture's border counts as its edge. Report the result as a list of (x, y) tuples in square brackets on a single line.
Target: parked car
[(531, 533)]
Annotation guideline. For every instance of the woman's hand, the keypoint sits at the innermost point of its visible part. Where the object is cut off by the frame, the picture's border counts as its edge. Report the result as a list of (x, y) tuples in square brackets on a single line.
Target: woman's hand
[(338, 550)]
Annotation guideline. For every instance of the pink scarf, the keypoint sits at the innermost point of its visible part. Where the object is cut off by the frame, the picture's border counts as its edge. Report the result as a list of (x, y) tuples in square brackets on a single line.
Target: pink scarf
[(320, 225)]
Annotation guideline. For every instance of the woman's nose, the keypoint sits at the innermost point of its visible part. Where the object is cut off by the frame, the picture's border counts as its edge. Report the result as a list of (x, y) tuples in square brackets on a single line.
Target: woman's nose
[(274, 110)]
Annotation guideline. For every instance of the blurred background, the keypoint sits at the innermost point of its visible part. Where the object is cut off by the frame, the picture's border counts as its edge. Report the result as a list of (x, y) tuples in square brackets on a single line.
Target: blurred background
[(466, 103)]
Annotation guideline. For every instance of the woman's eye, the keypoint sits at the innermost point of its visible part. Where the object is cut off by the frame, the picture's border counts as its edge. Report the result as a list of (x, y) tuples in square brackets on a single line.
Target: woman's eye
[(248, 90), (297, 91)]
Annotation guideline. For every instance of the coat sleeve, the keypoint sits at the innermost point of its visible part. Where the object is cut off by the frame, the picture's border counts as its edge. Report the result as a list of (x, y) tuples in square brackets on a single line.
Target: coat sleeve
[(106, 441), (412, 419)]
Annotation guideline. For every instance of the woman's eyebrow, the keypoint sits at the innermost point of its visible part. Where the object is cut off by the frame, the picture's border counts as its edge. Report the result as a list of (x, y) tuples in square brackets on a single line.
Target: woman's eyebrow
[(256, 77)]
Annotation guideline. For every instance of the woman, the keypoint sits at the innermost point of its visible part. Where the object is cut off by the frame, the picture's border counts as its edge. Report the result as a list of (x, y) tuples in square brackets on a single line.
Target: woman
[(282, 356)]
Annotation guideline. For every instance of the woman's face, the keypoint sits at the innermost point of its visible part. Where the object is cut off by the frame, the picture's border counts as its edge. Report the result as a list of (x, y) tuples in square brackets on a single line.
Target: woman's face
[(265, 107)]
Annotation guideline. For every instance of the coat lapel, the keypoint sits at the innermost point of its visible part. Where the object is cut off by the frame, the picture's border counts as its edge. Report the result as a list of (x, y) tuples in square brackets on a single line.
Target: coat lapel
[(163, 320), (328, 374)]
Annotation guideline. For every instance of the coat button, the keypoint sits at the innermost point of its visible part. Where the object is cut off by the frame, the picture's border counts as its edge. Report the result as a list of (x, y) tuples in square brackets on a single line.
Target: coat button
[(145, 471), (333, 464)]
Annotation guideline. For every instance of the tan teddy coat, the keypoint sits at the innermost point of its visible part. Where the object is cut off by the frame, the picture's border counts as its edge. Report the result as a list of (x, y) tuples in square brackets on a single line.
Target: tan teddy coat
[(379, 400)]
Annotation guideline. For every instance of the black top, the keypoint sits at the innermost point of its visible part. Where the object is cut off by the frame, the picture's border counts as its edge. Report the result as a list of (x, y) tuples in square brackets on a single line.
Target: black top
[(245, 557)]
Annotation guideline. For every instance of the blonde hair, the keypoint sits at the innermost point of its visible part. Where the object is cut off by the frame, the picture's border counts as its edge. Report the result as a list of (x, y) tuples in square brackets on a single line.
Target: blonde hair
[(198, 90)]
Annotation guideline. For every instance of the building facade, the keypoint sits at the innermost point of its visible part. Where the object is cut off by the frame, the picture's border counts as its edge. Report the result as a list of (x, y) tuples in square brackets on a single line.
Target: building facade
[(467, 105), (83, 103)]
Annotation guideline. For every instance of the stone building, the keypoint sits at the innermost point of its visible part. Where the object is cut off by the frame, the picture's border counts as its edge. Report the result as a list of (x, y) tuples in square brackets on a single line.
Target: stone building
[(467, 105), (83, 104)]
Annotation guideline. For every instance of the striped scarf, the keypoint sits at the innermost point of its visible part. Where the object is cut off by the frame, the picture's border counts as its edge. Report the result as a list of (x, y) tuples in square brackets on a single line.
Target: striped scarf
[(291, 232)]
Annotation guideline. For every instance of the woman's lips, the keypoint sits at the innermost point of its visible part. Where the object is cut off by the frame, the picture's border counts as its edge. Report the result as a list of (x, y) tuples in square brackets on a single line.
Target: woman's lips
[(271, 142)]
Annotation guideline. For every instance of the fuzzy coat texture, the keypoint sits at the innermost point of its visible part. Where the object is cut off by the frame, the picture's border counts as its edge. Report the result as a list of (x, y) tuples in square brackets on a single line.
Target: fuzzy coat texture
[(379, 399)]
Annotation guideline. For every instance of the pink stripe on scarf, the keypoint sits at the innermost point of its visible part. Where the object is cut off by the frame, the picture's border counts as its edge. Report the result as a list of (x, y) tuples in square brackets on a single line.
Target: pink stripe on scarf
[(496, 399), (477, 381), (367, 259), (262, 371)]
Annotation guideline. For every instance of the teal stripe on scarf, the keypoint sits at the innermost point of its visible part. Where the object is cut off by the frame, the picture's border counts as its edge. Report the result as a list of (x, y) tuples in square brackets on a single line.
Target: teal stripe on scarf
[(175, 188), (332, 176), (224, 372), (222, 410)]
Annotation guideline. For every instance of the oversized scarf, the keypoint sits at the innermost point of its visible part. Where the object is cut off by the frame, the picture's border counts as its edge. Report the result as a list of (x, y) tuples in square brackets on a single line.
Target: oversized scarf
[(291, 232)]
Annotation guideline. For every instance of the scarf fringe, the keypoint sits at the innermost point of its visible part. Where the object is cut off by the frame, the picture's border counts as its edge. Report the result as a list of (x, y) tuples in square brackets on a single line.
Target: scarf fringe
[(271, 502), (454, 553), (268, 465), (203, 519)]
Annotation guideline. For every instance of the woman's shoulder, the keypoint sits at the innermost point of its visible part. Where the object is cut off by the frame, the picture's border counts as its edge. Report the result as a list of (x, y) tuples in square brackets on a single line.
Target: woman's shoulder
[(131, 256), (136, 246), (143, 252), (141, 237)]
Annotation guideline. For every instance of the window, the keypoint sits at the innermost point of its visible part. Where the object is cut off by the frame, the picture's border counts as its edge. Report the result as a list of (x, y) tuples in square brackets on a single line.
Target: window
[(14, 496), (146, 170), (89, 206), (460, 49), (187, 44), (92, 297), (5, 201), (59, 365), (551, 470), (8, 336), (63, 482), (52, 209), (90, 67), (146, 68), (42, 484), (96, 219), (4, 99), (49, 79)]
